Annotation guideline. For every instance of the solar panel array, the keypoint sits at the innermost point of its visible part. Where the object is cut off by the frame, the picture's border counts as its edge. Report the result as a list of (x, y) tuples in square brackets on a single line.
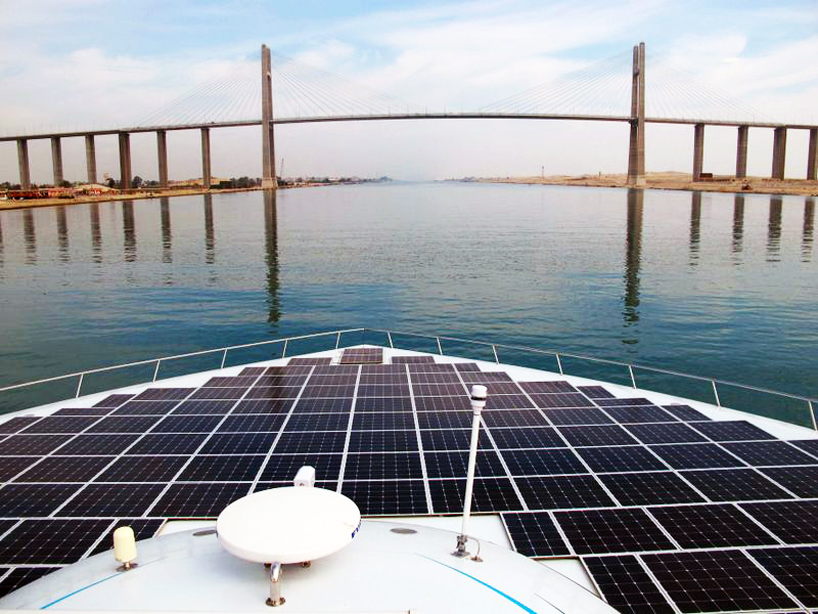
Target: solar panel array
[(668, 510)]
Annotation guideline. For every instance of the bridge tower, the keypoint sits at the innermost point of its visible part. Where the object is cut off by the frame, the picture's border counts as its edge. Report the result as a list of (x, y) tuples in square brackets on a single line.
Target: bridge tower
[(636, 150), (268, 158)]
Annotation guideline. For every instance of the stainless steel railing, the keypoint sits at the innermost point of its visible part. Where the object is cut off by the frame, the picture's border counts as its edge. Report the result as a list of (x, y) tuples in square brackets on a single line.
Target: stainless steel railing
[(714, 383)]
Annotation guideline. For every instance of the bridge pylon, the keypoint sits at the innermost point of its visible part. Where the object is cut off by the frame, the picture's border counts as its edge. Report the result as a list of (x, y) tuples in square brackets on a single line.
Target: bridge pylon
[(268, 158), (636, 150)]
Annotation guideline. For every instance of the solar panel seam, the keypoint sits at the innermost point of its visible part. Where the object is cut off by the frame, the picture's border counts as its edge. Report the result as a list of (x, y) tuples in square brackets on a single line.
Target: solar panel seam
[(423, 469), (505, 466), (758, 523), (102, 536), (280, 432), (776, 581), (656, 583), (348, 437)]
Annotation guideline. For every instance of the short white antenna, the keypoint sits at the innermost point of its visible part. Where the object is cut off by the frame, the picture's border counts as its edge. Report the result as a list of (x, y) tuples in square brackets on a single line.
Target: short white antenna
[(478, 402)]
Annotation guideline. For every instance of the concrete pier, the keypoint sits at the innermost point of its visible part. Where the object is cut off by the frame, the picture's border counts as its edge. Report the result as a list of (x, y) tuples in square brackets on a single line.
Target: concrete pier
[(206, 175), (268, 160), (125, 175), (741, 152), (698, 151), (812, 155), (779, 152), (56, 159), (636, 149), (91, 158), (162, 157), (23, 163)]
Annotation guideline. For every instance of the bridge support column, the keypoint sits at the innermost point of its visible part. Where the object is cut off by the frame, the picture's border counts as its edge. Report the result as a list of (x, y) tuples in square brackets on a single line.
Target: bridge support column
[(125, 160), (812, 155), (636, 149), (206, 177), (162, 157), (268, 160), (779, 152), (91, 158), (56, 160), (698, 151), (741, 152), (22, 161)]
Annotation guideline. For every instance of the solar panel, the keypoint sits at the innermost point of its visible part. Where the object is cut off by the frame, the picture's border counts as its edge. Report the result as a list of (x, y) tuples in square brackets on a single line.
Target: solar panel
[(283, 467), (612, 531), (808, 445), (547, 387), (252, 423), (760, 453), (613, 435), (336, 370), (82, 411), (803, 481), (432, 390), (309, 360), (31, 445), (381, 379), (540, 437), (613, 402), (295, 369), (383, 369), (33, 500), (639, 414), (696, 456), (489, 495), (710, 526), (620, 459), (383, 466), (215, 469), (457, 439), (143, 469), (262, 406), (454, 464), (65, 469), (514, 418), (143, 528), (17, 424), (795, 568), (338, 391), (543, 462), (595, 392), (167, 444), (311, 442), (734, 485), (649, 488), (444, 419), (500, 388), (184, 424), (318, 422), (732, 431), (577, 416), (60, 424), (198, 500), (252, 371), (274, 392), (387, 497), (20, 576), (434, 378), (793, 522), (626, 585), (160, 394), (125, 424), (362, 356), (327, 380), (230, 382), (561, 400), (145, 408), (715, 582), (323, 405), (204, 407), (239, 443), (508, 401), (685, 412), (97, 444), (376, 421), (383, 441), (284, 381), (561, 492), (112, 500), (466, 366), (384, 390), (404, 360), (50, 542), (113, 400), (534, 534), (12, 465), (664, 433), (484, 377), (429, 367), (427, 404), (383, 404)]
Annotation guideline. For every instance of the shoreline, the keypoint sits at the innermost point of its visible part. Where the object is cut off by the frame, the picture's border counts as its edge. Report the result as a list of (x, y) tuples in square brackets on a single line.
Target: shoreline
[(669, 181)]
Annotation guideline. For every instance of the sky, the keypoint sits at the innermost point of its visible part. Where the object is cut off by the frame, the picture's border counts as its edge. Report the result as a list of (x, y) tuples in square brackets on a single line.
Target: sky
[(85, 64)]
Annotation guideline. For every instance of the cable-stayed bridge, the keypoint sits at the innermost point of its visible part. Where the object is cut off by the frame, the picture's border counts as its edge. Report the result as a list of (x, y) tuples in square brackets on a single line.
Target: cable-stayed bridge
[(613, 90)]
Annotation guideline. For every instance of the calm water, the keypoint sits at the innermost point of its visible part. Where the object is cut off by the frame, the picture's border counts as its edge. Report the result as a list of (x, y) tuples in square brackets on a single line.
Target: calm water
[(711, 284)]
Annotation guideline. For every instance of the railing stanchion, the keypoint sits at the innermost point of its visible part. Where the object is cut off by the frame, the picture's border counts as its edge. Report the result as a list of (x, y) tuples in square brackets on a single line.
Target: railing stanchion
[(812, 415), (559, 363), (439, 347), (633, 379), (156, 370), (338, 340), (716, 393), (284, 351), (224, 358), (79, 386), (389, 336), (496, 358)]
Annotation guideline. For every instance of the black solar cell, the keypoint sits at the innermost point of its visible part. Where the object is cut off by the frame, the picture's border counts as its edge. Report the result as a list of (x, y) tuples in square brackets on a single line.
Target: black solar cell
[(650, 488), (274, 392), (376, 421), (457, 439), (239, 443), (426, 404), (577, 416), (611, 531), (795, 568), (761, 453), (534, 534), (318, 422), (125, 424), (50, 542), (204, 407), (252, 423), (323, 405), (387, 497), (20, 576), (113, 400), (514, 418), (543, 437), (143, 529), (383, 466), (98, 444), (160, 394), (489, 495), (639, 414), (547, 387), (383, 390), (508, 401), (444, 419), (732, 431), (83, 411), (33, 500), (803, 481), (563, 492), (612, 435), (184, 424), (283, 467), (434, 378), (710, 526), (167, 444), (263, 406), (12, 465), (696, 456), (454, 464), (310, 442), (56, 469), (794, 522), (143, 469), (383, 441), (542, 462), (221, 469), (145, 408), (595, 392), (112, 500), (198, 500), (17, 424), (328, 392), (686, 413), (616, 402), (734, 485), (626, 585), (60, 424), (31, 445), (432, 390), (561, 400), (664, 433), (620, 459)]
